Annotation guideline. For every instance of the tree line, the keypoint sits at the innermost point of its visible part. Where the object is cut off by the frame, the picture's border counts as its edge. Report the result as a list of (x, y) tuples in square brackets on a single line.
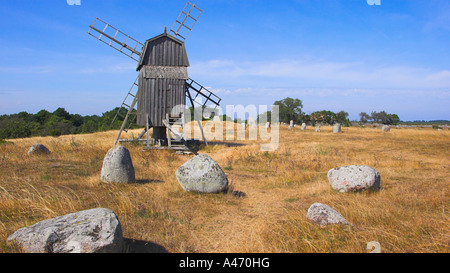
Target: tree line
[(379, 117), (59, 122), (291, 109)]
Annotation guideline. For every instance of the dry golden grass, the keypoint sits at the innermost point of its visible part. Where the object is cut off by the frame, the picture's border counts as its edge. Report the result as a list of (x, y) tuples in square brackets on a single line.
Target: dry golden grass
[(409, 214)]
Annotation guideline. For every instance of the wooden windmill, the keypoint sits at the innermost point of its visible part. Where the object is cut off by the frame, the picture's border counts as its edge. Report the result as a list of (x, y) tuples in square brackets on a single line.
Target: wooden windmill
[(162, 86)]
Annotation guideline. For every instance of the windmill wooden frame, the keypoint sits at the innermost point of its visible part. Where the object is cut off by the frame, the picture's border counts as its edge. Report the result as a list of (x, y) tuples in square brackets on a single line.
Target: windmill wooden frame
[(160, 91)]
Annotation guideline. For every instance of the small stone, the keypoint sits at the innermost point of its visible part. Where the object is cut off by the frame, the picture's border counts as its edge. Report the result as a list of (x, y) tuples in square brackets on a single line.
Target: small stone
[(239, 194), (324, 215), (38, 149), (337, 128)]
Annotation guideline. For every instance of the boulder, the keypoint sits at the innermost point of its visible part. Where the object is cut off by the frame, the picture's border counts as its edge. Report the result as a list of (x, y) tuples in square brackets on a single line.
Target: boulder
[(202, 174), (354, 178), (337, 128), (303, 126), (385, 128), (117, 166), (38, 149), (318, 128), (325, 215), (90, 231)]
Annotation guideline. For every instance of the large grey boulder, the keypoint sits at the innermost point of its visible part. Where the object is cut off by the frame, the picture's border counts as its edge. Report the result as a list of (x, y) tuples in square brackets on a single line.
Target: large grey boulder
[(117, 166), (337, 128), (303, 126), (202, 174), (37, 149), (90, 231), (385, 128), (325, 215), (354, 178)]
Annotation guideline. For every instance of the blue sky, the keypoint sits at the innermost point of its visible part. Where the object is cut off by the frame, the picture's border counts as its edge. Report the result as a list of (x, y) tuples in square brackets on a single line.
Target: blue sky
[(332, 54)]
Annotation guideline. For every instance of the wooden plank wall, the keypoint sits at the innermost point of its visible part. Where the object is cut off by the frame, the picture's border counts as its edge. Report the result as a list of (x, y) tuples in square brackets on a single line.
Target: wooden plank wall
[(158, 97)]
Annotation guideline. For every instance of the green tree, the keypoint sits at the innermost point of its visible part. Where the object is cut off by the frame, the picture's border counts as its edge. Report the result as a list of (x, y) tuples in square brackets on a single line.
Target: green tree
[(289, 109), (90, 124), (14, 127), (342, 118), (324, 116), (364, 117), (76, 120), (42, 116), (394, 119), (61, 112)]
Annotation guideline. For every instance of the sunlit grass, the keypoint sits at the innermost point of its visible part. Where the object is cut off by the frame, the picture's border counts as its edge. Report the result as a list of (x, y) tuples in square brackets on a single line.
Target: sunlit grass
[(408, 214)]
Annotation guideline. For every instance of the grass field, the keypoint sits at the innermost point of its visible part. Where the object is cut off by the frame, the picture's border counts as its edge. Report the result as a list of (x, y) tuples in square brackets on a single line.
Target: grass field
[(409, 214)]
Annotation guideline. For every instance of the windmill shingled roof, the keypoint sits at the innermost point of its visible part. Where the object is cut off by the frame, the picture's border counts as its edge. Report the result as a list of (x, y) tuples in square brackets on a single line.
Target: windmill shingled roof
[(163, 50)]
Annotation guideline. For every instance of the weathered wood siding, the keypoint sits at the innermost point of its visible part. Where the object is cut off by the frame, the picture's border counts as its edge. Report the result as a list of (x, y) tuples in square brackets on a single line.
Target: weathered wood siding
[(157, 97), (162, 79)]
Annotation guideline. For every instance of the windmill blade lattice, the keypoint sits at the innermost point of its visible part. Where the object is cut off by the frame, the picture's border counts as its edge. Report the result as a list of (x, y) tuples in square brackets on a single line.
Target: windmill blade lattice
[(185, 21), (116, 39)]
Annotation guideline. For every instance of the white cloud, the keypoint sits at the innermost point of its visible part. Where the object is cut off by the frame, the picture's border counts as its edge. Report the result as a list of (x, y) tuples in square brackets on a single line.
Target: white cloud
[(323, 73)]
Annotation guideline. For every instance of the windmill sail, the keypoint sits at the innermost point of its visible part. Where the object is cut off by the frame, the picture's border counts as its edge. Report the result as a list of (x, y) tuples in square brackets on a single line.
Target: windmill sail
[(130, 99), (185, 21), (196, 90), (116, 39)]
